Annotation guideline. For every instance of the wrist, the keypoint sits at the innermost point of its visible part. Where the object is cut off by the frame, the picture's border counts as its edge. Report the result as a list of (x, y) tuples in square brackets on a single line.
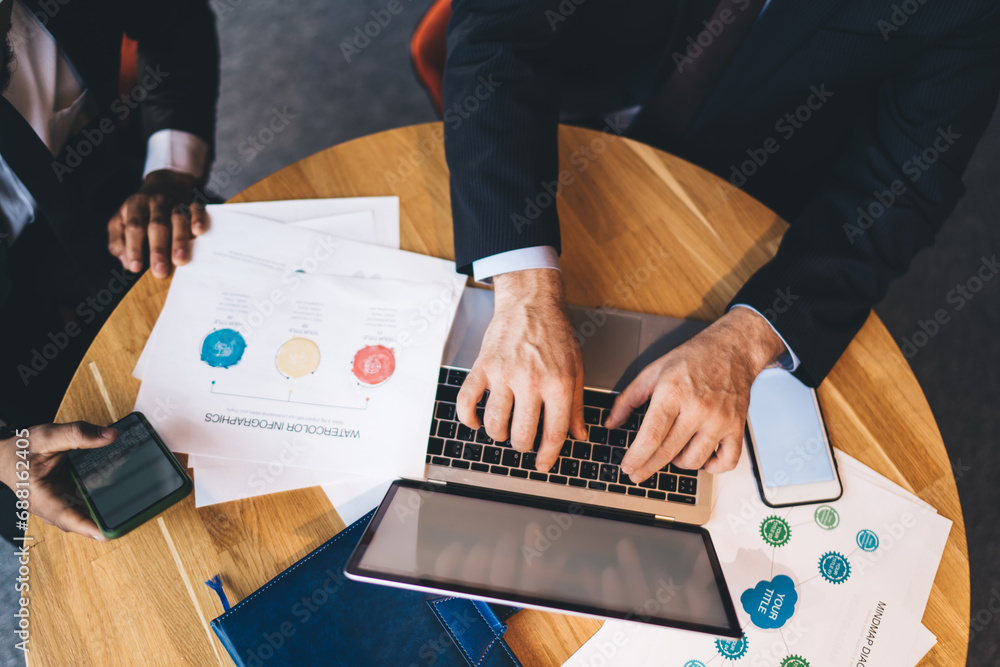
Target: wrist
[(529, 285), (176, 184), (754, 338)]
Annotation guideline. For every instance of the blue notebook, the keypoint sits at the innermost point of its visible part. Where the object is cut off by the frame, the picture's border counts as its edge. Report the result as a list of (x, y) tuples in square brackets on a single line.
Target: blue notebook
[(311, 614)]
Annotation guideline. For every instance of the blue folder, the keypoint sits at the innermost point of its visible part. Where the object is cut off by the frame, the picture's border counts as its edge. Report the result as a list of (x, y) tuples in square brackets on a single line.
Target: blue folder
[(311, 614)]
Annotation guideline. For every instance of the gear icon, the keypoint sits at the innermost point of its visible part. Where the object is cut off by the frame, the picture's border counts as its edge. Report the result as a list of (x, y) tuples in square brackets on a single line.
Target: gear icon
[(732, 650), (775, 531), (794, 661), (834, 567)]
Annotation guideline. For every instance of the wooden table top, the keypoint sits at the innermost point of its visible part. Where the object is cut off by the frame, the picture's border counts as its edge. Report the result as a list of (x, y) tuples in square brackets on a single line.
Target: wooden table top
[(642, 231)]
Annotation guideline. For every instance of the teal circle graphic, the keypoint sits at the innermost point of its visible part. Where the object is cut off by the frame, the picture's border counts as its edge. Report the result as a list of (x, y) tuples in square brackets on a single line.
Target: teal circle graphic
[(694, 663), (867, 540), (834, 567), (223, 348), (732, 650)]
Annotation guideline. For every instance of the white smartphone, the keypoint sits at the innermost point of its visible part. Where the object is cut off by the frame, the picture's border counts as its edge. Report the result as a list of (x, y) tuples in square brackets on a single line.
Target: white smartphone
[(792, 457)]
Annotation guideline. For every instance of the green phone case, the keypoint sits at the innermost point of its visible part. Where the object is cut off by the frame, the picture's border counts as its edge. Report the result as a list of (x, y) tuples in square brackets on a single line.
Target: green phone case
[(145, 515)]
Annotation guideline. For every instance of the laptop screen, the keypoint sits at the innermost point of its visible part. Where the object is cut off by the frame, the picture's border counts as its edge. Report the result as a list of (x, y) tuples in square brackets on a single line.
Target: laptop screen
[(566, 557)]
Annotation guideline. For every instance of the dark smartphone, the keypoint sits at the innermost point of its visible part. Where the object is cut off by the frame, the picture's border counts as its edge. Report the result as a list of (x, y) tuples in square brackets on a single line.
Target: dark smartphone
[(130, 481)]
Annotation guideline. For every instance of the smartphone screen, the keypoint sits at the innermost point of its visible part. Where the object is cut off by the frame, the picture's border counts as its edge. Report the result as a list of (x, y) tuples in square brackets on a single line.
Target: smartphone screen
[(128, 476), (789, 438)]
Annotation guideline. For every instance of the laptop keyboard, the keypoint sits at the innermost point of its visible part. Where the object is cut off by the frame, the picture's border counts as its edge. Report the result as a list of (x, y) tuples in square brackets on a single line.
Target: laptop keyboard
[(591, 463)]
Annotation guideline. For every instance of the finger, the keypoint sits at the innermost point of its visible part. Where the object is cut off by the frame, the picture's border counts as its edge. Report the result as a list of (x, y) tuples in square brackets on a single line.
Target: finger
[(680, 435), (727, 455), (533, 568), (136, 216), (54, 438), (199, 219), (159, 231), (697, 451), (469, 396), (653, 431), (612, 589), (524, 425), (116, 237), (180, 222), (577, 425), (636, 393), (558, 407), (502, 570), (47, 506), (496, 417), (449, 561), (635, 582)]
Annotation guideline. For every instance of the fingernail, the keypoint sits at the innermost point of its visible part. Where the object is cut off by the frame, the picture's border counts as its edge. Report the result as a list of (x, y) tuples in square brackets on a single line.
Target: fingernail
[(628, 470), (198, 227), (107, 432), (634, 477), (135, 266), (160, 269), (181, 254), (121, 258), (96, 536)]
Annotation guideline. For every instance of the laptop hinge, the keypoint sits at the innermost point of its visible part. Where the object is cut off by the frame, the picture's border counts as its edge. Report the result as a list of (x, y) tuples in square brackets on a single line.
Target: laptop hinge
[(663, 519)]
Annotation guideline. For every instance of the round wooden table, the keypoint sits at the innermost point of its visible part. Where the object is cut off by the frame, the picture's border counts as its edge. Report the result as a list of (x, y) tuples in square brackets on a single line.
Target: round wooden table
[(642, 231)]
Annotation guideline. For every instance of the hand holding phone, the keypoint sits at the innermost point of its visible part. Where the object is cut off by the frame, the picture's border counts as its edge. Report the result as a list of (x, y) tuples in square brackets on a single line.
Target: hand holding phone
[(33, 467), (792, 457)]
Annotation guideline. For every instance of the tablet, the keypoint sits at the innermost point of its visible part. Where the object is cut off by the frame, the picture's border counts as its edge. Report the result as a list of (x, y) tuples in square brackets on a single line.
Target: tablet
[(547, 554)]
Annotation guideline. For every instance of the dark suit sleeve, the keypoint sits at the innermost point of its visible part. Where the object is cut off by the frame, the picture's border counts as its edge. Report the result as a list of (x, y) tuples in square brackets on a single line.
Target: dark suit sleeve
[(501, 114), (178, 64), (897, 182)]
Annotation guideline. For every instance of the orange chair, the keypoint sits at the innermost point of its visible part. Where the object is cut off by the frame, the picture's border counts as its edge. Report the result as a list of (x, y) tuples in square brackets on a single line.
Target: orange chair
[(128, 72), (428, 50)]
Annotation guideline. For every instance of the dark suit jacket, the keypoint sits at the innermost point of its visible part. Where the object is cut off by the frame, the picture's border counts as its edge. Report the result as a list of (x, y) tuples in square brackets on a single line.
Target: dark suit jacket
[(904, 91), (178, 89)]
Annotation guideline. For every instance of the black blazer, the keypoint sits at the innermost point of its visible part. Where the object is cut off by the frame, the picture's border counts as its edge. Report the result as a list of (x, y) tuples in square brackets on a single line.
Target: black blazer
[(178, 89), (901, 91)]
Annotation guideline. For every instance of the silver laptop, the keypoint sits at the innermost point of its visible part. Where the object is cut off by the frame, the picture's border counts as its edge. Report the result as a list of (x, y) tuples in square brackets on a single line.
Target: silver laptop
[(580, 539)]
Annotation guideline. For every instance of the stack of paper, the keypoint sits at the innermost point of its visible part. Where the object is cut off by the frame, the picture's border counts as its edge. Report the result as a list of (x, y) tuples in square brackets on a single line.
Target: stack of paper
[(839, 584), (300, 347)]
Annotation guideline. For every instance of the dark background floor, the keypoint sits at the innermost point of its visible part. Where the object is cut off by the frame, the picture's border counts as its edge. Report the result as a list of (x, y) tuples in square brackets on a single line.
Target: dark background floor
[(285, 58)]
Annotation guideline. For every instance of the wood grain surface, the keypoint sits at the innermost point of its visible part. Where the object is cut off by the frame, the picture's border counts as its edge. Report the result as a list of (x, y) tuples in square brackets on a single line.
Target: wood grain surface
[(642, 231)]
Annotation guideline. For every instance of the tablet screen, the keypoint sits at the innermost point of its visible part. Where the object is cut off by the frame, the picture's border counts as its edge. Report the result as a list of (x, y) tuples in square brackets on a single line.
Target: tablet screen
[(560, 558)]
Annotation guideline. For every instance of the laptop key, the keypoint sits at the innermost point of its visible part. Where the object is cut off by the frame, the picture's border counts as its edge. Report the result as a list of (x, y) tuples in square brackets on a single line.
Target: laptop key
[(635, 491), (465, 433), (427, 459), (569, 467), (480, 413), (683, 471), (598, 435), (512, 458), (514, 472), (482, 438), (678, 498), (573, 481), (458, 463), (589, 470), (632, 423), (440, 461), (667, 482), (498, 470), (557, 479), (656, 495), (609, 473), (445, 411), (616, 488), (567, 449), (453, 448), (447, 393), (618, 438), (472, 452), (491, 455), (581, 450), (600, 453), (617, 454), (598, 486), (447, 429), (540, 476), (528, 460), (649, 482), (435, 446), (688, 485), (434, 427), (624, 479), (442, 376), (592, 416), (456, 377), (480, 467), (631, 437)]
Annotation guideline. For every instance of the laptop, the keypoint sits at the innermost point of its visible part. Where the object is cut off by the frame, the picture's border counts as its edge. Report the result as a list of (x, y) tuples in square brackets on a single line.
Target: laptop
[(581, 538)]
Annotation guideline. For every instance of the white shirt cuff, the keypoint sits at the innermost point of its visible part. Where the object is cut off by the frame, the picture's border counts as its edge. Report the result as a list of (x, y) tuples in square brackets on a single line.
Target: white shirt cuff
[(788, 360), (177, 151), (535, 257)]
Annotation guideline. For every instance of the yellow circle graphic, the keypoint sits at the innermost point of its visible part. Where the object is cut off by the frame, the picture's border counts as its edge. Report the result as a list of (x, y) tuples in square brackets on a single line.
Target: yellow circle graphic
[(297, 358)]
